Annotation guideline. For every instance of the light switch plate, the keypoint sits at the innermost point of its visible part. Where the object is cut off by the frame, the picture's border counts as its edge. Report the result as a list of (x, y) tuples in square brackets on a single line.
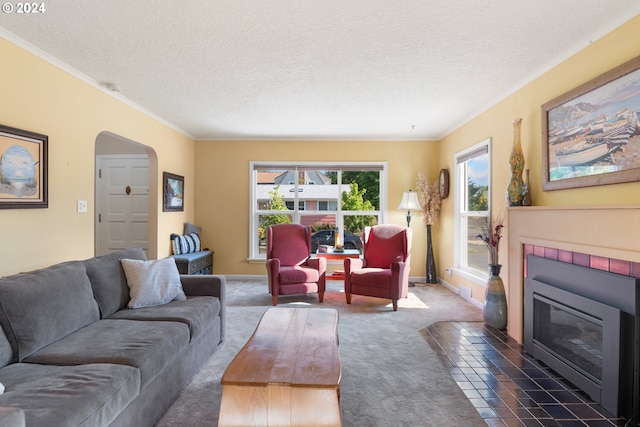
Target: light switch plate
[(82, 205)]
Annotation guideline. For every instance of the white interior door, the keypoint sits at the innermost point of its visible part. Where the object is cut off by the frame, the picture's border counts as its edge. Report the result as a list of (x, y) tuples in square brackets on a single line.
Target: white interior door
[(122, 206)]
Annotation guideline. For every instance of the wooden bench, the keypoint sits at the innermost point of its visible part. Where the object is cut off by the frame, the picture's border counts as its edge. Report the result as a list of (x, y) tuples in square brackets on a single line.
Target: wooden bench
[(288, 373)]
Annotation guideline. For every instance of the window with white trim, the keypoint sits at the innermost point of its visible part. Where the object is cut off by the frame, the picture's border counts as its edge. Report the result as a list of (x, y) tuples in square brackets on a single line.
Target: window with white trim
[(472, 207), (325, 196)]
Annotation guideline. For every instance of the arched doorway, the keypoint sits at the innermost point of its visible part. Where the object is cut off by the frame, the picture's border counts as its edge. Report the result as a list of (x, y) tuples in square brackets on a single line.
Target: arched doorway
[(126, 195)]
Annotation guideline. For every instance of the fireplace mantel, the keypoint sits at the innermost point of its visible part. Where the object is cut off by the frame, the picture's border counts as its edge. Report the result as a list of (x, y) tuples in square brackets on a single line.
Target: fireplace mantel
[(604, 231)]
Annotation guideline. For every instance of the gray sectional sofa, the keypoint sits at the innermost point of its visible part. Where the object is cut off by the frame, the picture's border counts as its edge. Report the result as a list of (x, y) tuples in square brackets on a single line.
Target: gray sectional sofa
[(73, 354)]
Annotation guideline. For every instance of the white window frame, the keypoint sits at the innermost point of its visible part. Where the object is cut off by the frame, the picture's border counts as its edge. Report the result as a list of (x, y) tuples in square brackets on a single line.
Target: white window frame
[(460, 231), (254, 250)]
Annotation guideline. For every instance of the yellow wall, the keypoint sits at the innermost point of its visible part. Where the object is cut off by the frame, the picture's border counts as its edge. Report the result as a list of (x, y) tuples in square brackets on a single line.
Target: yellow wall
[(612, 50), (40, 97), (222, 192)]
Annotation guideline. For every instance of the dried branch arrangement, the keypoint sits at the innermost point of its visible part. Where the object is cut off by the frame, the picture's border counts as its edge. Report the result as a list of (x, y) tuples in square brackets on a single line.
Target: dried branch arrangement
[(429, 196)]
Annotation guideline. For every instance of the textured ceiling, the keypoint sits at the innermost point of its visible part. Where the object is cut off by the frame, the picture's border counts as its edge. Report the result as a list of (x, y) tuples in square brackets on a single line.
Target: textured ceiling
[(310, 69)]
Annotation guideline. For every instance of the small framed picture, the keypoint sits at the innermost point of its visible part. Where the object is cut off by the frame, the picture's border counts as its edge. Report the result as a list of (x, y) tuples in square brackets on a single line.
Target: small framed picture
[(173, 192)]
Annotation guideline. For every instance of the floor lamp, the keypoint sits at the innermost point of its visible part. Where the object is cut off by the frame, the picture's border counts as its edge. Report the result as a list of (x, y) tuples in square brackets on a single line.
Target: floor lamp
[(409, 203)]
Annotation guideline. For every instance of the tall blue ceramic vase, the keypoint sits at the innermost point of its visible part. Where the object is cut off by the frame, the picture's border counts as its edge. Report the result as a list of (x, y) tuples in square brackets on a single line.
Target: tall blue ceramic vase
[(495, 300)]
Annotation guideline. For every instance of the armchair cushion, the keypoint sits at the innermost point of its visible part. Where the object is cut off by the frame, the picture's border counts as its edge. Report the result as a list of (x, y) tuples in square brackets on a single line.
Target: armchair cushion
[(291, 275), (374, 277)]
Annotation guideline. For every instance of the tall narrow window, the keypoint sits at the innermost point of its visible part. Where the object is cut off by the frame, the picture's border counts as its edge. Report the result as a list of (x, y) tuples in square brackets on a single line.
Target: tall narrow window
[(348, 196), (472, 207)]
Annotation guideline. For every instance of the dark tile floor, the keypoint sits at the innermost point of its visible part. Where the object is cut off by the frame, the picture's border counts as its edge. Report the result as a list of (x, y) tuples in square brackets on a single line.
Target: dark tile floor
[(507, 387)]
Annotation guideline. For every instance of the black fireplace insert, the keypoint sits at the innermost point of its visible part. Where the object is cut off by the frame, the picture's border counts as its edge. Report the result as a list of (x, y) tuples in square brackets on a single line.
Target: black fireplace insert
[(581, 322)]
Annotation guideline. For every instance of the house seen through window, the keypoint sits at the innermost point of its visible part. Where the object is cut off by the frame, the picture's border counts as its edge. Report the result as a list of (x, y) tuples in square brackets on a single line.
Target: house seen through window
[(324, 196)]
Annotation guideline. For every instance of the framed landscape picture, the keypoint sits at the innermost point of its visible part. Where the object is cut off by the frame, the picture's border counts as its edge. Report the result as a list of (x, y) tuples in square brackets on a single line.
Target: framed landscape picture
[(591, 135), (23, 169), (173, 192)]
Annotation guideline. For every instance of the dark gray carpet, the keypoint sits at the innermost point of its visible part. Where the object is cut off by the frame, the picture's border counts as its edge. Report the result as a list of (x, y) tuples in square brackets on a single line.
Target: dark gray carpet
[(390, 375)]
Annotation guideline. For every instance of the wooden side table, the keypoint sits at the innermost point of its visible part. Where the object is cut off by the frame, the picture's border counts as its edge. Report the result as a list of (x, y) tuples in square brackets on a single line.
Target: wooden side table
[(338, 256)]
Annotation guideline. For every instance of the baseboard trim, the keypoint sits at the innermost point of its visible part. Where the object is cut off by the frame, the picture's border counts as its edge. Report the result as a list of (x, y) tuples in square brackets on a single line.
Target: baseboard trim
[(457, 292), (264, 276), (246, 276)]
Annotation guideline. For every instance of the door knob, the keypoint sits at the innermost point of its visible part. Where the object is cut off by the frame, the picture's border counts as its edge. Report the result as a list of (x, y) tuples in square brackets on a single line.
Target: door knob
[(127, 190)]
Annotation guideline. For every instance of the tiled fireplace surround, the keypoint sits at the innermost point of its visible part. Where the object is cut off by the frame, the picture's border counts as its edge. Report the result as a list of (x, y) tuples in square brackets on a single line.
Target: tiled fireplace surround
[(618, 266), (601, 237)]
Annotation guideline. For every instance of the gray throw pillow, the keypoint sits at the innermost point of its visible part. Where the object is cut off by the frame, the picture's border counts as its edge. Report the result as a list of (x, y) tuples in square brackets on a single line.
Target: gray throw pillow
[(152, 282)]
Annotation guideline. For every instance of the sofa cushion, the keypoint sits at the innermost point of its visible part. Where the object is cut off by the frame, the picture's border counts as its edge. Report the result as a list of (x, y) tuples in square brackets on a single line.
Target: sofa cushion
[(6, 352), (152, 282), (42, 306), (108, 281), (148, 346), (196, 312), (12, 416), (85, 395)]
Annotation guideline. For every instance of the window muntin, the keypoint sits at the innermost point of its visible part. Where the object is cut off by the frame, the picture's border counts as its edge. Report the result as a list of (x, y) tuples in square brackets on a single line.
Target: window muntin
[(321, 195), (473, 169)]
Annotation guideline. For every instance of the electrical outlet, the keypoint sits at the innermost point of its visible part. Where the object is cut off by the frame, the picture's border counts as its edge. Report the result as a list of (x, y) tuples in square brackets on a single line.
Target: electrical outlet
[(82, 205)]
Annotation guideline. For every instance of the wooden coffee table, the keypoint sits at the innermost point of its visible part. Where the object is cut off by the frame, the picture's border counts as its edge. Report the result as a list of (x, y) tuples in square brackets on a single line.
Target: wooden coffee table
[(287, 374)]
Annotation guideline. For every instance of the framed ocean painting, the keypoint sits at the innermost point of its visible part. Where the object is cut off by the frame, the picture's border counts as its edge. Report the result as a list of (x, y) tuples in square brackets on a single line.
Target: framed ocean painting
[(23, 169)]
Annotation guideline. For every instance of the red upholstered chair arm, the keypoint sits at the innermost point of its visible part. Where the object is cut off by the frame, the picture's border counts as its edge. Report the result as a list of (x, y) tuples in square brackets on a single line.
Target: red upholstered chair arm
[(273, 267), (397, 278), (351, 264), (319, 264)]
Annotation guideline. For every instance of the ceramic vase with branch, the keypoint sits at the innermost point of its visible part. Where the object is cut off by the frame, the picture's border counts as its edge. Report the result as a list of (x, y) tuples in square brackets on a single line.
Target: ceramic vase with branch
[(494, 309), (429, 196)]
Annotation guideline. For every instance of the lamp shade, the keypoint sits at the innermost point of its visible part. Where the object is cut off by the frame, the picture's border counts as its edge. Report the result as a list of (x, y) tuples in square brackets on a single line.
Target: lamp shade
[(409, 202)]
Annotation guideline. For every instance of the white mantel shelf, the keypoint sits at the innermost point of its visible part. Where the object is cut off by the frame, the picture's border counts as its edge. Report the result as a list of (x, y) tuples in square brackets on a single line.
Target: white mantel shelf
[(606, 231)]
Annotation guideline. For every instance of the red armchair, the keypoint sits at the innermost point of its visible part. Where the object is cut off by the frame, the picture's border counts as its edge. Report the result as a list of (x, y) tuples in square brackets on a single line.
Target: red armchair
[(383, 271), (290, 268)]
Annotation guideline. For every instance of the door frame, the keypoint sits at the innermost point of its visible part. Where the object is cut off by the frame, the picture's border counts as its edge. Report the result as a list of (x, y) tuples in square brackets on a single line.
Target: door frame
[(108, 143)]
